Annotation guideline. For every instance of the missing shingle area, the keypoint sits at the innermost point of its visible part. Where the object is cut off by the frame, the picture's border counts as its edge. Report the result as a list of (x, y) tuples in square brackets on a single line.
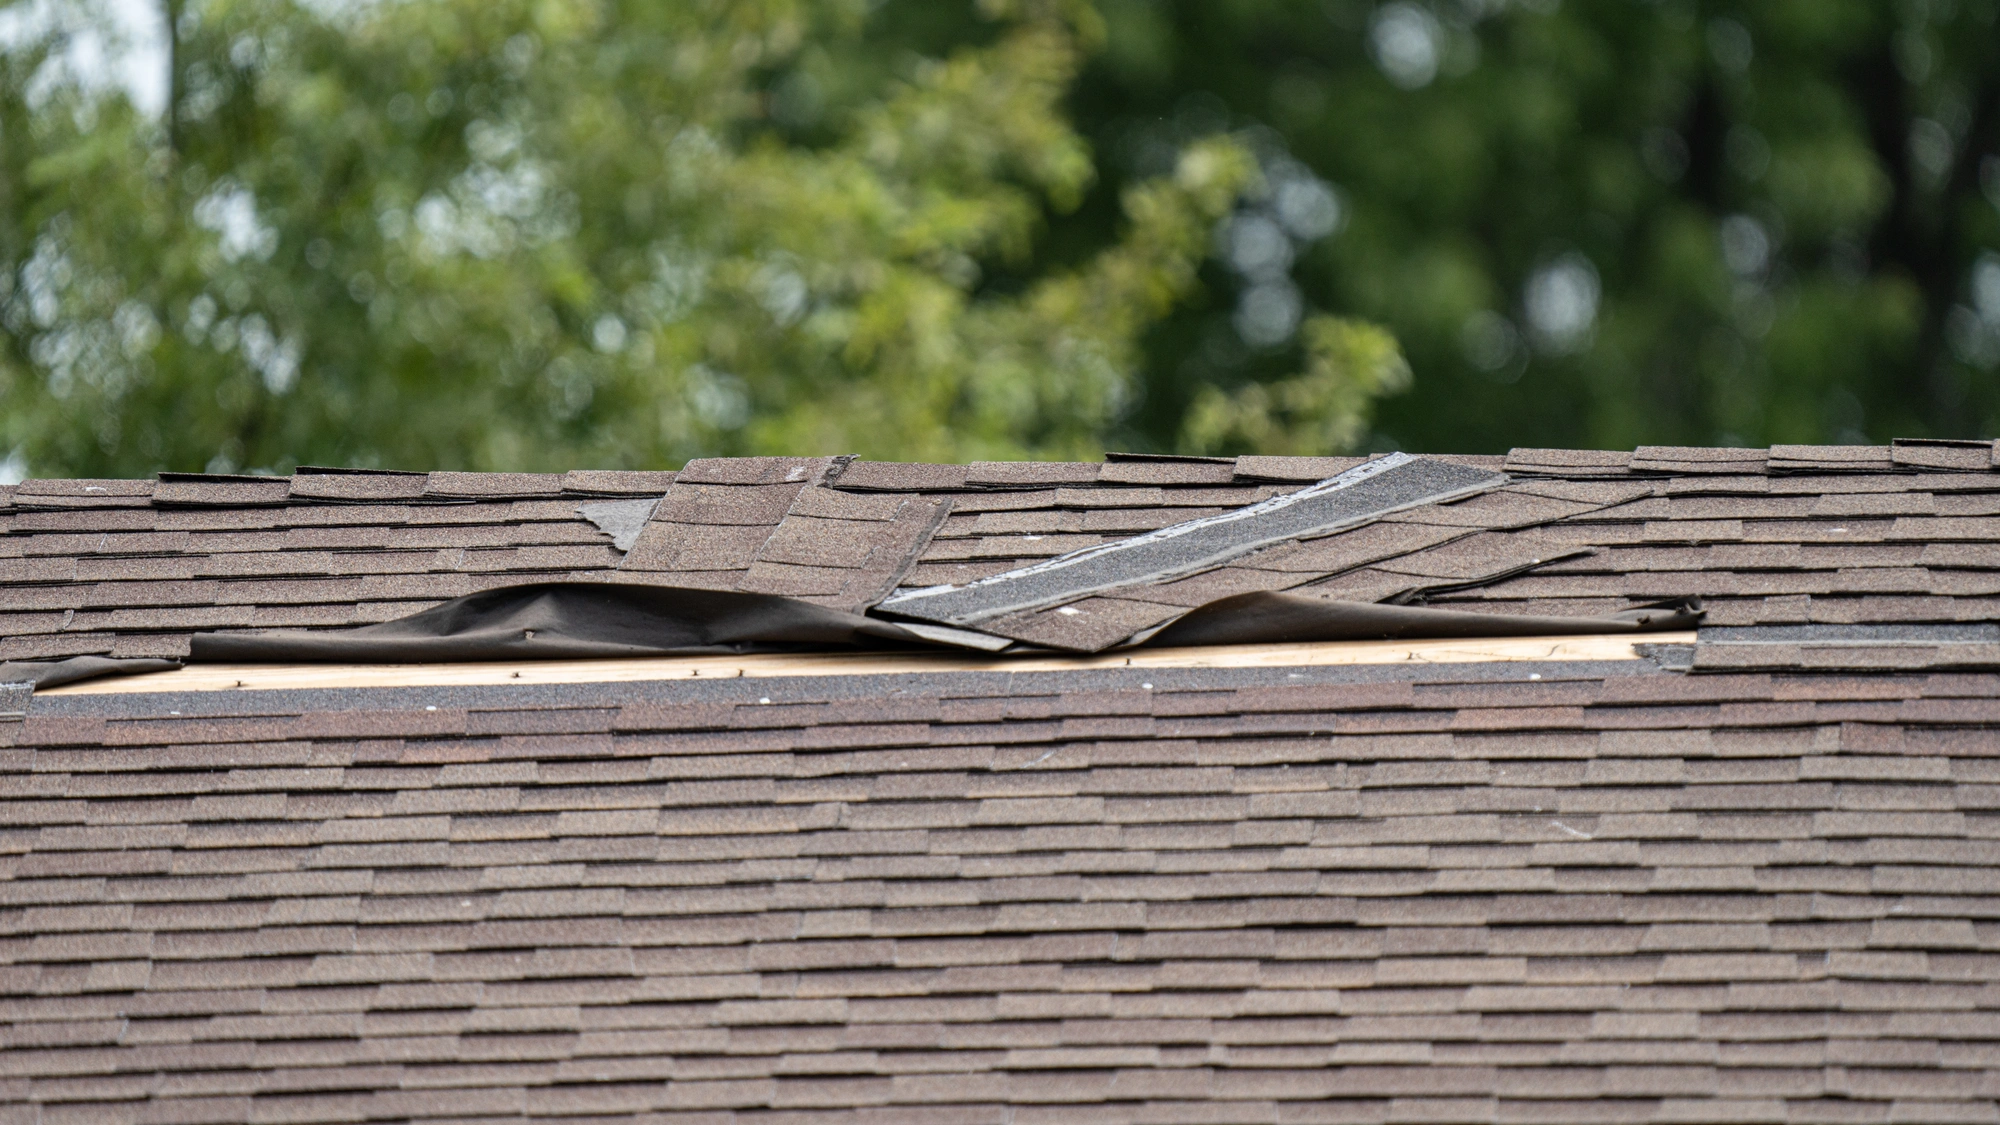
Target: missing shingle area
[(622, 520)]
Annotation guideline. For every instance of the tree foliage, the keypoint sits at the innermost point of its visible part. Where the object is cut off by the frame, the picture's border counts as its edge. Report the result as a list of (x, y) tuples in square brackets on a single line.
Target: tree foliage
[(1601, 222), (521, 233), (517, 234)]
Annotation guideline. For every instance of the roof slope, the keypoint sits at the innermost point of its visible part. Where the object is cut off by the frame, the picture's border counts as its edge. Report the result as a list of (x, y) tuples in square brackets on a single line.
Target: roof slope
[(1832, 535), (1610, 894), (1577, 891)]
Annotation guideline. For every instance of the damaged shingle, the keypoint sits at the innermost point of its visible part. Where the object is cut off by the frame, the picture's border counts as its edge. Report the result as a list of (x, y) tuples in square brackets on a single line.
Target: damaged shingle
[(1362, 494), (1944, 454), (622, 520), (1818, 525)]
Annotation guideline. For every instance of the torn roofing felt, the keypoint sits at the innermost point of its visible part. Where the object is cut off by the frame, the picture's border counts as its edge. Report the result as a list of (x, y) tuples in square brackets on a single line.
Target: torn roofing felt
[(582, 620), (75, 669), (558, 621), (1363, 493), (1275, 618)]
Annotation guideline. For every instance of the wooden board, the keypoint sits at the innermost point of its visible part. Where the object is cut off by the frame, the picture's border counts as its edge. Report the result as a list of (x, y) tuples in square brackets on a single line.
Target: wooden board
[(272, 677)]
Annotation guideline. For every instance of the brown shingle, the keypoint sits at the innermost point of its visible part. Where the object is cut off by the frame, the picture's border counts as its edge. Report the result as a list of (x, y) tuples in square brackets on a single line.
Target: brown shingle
[(610, 482), (1830, 458), (1212, 586), (1943, 455), (819, 542), (454, 485), (1493, 510), (1303, 469), (953, 573), (1602, 493), (1130, 521), (897, 547), (82, 520), (696, 503), (17, 572), (753, 470), (35, 494), (1220, 471), (825, 503), (1037, 546), (1336, 553), (1568, 462), (1008, 501), (1086, 626), (1697, 459), (887, 476), (199, 490), (86, 488), (696, 547), (1029, 474), (1481, 556), (793, 580), (357, 487)]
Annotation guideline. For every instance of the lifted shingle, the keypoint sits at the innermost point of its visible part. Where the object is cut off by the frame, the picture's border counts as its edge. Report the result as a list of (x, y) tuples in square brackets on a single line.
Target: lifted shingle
[(207, 490), (1363, 494), (609, 482), (1944, 454), (455, 485), (1697, 459), (1568, 462)]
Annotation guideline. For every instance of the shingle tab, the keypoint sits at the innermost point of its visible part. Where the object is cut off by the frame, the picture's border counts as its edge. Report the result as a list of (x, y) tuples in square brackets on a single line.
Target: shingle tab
[(1029, 474), (1164, 472), (33, 494), (1830, 459), (887, 476), (455, 485), (1568, 462), (1698, 459), (1303, 469), (356, 486), (202, 490), (1944, 455), (611, 482), (726, 505), (753, 470), (669, 546)]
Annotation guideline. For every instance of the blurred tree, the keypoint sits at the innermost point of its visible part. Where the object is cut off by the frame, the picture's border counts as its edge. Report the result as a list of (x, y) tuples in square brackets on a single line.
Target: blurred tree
[(509, 234), (512, 234), (1590, 222)]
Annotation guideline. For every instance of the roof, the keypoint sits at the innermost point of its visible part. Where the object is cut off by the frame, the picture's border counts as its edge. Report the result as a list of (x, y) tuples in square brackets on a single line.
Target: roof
[(1795, 535), (1747, 879)]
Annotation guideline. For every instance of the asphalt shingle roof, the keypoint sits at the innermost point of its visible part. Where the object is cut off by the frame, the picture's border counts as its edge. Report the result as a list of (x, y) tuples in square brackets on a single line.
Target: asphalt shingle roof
[(1760, 891), (1902, 534)]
